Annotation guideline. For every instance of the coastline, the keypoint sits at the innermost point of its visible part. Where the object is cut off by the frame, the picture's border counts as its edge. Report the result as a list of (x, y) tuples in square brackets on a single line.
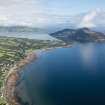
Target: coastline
[(13, 76)]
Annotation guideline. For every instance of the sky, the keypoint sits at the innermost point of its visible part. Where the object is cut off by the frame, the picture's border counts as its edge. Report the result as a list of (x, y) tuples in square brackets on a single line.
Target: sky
[(38, 12), (72, 7)]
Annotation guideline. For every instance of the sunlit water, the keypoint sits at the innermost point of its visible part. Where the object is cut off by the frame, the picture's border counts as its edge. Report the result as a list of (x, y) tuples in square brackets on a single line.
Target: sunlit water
[(65, 76)]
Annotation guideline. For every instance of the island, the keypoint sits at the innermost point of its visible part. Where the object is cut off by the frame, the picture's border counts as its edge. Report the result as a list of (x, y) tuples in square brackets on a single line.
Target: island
[(79, 35)]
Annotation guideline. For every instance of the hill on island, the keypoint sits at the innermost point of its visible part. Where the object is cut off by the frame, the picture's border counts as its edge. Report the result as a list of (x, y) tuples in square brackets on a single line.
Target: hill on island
[(79, 35)]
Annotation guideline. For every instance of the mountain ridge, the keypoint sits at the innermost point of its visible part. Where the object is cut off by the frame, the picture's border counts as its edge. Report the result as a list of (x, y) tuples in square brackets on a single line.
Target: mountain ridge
[(79, 35)]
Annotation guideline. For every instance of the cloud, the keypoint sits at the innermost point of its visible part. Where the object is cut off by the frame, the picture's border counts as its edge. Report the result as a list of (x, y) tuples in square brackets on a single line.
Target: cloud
[(87, 20), (27, 12), (22, 12)]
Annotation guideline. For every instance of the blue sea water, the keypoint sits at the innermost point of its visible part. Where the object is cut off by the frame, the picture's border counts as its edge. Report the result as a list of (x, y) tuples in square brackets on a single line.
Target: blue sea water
[(65, 76)]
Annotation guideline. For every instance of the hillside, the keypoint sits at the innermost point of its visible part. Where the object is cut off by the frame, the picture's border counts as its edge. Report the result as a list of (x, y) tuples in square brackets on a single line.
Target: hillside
[(79, 35)]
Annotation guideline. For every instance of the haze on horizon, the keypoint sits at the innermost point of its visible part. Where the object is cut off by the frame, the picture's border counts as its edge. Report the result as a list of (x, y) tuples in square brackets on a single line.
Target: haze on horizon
[(40, 12)]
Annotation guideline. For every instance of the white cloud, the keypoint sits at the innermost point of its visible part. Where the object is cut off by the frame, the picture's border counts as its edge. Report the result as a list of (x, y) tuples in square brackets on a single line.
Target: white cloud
[(87, 20), (22, 12), (27, 12)]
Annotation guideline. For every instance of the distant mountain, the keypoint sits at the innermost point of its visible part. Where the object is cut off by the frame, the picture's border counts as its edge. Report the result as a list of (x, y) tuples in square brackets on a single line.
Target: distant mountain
[(79, 35), (19, 29)]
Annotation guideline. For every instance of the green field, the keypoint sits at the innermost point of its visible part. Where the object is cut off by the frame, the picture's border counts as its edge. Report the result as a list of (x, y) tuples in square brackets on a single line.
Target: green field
[(15, 49)]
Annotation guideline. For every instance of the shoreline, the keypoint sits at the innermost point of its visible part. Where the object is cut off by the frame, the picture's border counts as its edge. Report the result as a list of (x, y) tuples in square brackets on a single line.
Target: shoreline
[(13, 76)]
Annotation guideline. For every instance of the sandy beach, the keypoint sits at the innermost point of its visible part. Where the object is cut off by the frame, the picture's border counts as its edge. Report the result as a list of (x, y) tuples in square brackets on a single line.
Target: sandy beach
[(10, 83)]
